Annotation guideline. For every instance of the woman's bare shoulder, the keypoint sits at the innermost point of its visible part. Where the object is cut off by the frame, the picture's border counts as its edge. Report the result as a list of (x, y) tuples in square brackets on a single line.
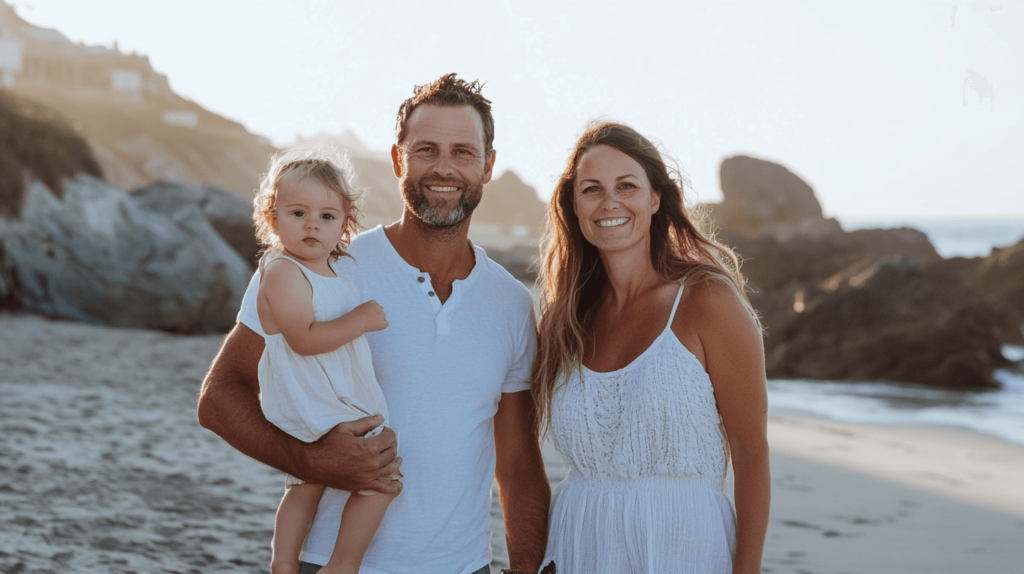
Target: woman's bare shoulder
[(713, 301)]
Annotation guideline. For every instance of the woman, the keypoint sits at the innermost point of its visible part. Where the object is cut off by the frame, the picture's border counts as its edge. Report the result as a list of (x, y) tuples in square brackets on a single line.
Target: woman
[(650, 373)]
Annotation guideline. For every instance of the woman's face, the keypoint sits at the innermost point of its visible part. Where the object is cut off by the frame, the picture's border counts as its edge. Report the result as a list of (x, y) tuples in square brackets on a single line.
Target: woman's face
[(613, 200)]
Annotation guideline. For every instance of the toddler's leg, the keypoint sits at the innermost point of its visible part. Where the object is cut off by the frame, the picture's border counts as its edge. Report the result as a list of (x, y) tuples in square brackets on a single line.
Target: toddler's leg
[(294, 516), (359, 522)]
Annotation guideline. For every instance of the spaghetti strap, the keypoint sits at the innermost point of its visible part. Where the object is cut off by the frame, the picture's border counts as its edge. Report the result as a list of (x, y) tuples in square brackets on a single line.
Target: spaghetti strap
[(679, 295)]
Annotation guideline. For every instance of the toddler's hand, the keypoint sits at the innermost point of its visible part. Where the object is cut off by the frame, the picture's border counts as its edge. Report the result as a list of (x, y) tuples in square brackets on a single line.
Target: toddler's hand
[(373, 315)]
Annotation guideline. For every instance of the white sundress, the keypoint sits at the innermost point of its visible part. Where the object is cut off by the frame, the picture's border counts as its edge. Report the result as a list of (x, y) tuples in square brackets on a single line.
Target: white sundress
[(647, 460), (306, 396)]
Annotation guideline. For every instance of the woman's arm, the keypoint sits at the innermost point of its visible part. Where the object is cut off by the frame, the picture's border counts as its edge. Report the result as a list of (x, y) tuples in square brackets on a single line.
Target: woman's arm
[(285, 305), (734, 356)]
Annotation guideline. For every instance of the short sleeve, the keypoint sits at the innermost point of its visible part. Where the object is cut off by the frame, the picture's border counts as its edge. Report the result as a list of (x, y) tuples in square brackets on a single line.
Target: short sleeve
[(518, 377), (247, 315)]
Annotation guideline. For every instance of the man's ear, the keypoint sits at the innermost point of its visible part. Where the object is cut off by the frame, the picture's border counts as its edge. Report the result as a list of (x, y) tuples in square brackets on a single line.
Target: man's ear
[(489, 165), (396, 161)]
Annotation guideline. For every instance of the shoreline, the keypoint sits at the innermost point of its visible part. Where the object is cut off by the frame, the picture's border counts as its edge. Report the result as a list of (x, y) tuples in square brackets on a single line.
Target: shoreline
[(104, 468)]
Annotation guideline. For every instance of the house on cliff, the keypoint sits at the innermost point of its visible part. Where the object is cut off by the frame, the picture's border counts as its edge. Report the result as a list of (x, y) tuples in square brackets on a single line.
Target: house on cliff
[(33, 58)]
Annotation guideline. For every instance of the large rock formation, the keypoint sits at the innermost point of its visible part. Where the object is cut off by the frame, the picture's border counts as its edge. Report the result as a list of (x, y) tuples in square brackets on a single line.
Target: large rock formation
[(96, 255), (230, 216), (893, 321), (513, 206), (873, 304), (764, 199)]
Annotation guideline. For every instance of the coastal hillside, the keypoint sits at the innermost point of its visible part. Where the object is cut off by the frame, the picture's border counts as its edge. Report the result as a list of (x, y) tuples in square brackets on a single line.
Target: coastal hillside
[(37, 142), (139, 130)]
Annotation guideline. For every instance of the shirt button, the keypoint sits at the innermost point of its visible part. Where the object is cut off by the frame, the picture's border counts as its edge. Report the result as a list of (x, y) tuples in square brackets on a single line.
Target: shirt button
[(420, 279), (431, 293)]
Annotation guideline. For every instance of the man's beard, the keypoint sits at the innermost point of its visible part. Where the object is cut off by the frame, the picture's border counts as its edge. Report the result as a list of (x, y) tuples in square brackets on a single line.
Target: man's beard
[(435, 215)]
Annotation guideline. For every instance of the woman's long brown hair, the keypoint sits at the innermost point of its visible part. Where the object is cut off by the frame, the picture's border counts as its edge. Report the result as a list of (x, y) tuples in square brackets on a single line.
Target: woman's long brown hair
[(572, 277)]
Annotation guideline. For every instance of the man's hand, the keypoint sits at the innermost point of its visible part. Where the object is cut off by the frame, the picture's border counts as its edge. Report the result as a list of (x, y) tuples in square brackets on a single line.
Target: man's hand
[(343, 460)]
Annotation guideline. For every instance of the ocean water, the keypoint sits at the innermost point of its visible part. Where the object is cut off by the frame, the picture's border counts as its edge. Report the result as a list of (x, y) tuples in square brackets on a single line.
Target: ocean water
[(998, 413)]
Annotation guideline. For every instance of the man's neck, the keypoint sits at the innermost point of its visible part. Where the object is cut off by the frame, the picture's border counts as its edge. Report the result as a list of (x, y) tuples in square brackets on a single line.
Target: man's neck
[(445, 254)]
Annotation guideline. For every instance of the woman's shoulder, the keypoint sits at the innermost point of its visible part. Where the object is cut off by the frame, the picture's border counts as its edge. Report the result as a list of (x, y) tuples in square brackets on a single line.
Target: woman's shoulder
[(712, 298)]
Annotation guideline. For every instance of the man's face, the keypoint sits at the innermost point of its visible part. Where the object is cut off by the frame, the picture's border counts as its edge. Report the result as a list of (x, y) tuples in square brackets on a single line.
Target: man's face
[(441, 166)]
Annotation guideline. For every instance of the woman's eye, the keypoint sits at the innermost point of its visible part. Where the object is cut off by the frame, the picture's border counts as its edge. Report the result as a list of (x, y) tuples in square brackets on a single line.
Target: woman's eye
[(627, 186)]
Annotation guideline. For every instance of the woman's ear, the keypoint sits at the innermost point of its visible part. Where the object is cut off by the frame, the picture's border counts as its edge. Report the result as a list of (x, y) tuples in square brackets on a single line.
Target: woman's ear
[(655, 201)]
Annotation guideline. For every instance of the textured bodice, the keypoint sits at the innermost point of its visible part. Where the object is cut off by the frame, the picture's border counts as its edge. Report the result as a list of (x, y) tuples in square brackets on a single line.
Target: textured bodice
[(655, 417)]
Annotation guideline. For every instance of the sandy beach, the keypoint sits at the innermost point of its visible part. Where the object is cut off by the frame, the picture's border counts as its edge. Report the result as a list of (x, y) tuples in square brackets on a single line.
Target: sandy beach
[(103, 468)]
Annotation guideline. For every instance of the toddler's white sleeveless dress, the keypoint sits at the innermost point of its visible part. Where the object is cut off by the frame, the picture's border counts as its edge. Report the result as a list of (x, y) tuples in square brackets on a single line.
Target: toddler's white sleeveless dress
[(647, 460), (306, 396)]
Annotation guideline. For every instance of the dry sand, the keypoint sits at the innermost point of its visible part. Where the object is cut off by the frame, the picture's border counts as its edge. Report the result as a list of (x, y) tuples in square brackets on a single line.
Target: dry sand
[(103, 468)]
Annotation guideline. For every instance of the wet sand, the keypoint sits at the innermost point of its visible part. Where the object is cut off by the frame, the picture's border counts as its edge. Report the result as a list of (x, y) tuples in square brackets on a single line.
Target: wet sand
[(103, 468)]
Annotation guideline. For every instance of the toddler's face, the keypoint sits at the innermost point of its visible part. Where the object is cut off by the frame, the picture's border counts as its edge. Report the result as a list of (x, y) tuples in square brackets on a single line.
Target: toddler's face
[(310, 219)]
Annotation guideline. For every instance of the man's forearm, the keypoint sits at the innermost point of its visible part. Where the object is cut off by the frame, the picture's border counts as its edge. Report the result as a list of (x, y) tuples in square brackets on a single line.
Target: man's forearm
[(525, 499)]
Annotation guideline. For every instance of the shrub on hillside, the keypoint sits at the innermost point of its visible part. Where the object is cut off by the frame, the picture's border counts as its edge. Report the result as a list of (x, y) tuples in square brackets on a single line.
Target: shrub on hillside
[(35, 138)]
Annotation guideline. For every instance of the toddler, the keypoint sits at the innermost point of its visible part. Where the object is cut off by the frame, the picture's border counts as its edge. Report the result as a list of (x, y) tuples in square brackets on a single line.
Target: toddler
[(315, 371)]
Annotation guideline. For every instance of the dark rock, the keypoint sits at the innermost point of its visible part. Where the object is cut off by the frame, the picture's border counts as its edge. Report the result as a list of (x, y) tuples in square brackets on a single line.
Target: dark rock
[(762, 199), (1001, 276), (229, 215), (770, 264), (99, 256), (894, 322)]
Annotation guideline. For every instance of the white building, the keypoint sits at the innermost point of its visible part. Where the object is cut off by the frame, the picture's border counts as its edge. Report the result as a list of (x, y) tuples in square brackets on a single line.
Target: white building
[(11, 57)]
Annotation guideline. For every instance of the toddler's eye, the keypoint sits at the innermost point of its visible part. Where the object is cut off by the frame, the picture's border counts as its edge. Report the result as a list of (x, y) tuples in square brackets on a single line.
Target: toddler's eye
[(327, 217), (299, 213)]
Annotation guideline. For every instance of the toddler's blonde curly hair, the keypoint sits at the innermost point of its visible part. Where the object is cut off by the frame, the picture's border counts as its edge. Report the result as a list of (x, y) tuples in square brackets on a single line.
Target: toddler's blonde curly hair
[(297, 165)]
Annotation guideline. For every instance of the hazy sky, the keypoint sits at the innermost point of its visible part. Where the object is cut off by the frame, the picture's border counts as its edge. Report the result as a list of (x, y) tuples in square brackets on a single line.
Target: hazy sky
[(862, 99)]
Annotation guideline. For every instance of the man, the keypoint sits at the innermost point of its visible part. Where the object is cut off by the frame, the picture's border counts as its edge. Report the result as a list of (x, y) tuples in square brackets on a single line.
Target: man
[(454, 366)]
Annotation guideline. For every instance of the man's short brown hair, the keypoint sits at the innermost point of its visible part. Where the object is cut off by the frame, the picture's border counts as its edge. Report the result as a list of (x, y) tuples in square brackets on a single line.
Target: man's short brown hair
[(450, 91)]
